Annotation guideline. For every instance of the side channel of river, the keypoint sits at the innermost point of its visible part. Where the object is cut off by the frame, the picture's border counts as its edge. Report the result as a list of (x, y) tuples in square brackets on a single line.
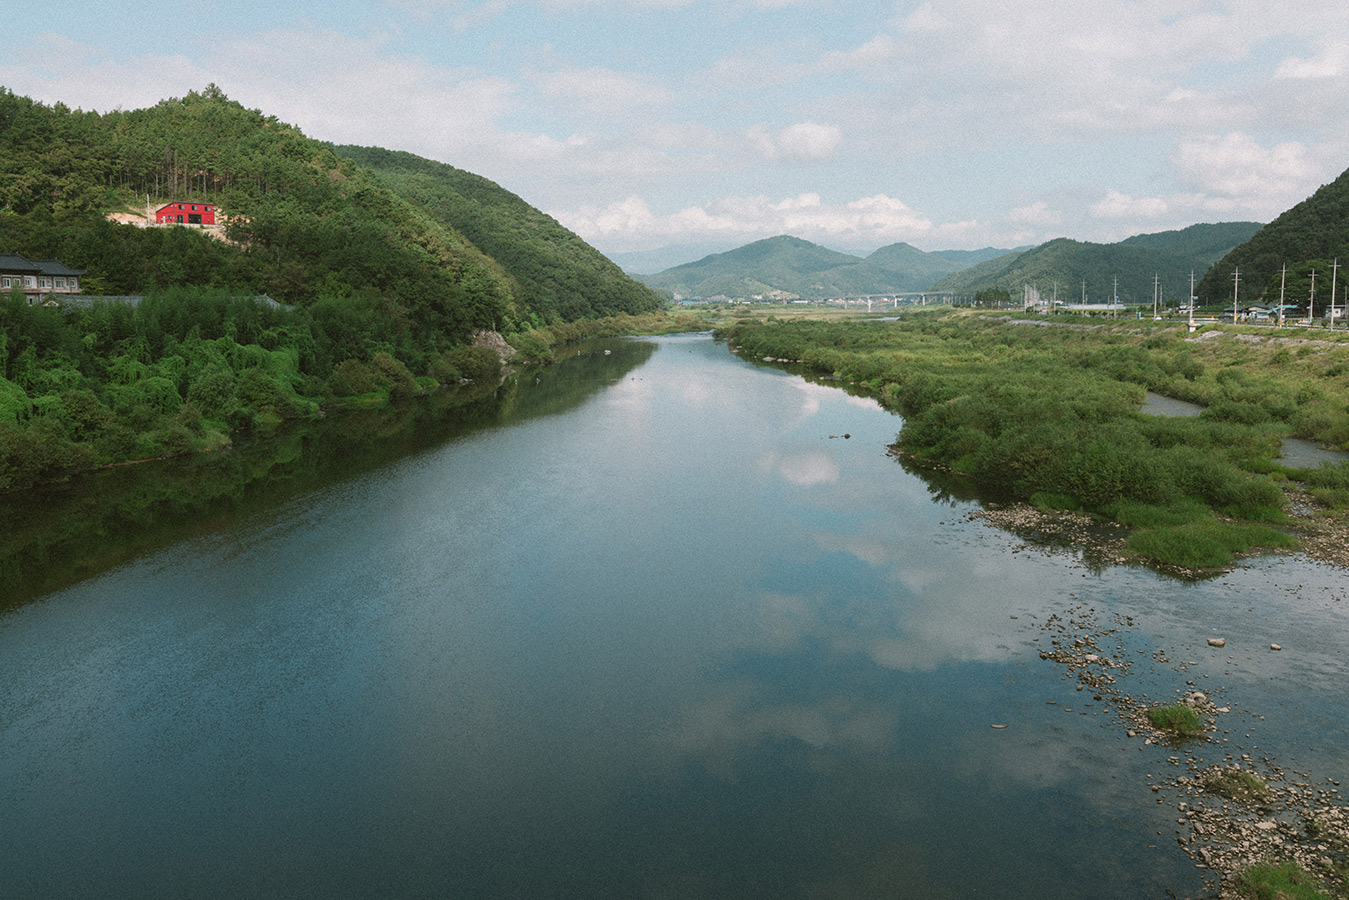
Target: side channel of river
[(654, 622)]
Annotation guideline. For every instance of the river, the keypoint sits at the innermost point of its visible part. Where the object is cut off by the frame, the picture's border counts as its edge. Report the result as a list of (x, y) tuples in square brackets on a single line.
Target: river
[(655, 623)]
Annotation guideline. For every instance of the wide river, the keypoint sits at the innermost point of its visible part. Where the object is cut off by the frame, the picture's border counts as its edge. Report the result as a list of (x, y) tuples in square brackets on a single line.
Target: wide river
[(662, 623)]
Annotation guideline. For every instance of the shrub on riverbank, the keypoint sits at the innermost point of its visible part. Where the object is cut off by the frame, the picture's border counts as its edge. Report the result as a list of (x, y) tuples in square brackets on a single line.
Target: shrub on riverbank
[(1177, 719), (1235, 783), (1280, 881), (1207, 543), (1050, 413), (186, 370)]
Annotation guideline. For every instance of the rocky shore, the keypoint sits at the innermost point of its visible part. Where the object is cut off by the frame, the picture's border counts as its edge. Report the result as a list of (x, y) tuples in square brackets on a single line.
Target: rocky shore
[(1231, 813)]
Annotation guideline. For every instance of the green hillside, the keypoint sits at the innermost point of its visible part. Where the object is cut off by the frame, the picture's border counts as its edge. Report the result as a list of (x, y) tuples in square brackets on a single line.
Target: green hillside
[(1064, 265), (795, 266), (307, 223), (966, 258), (379, 286), (561, 275), (1311, 235)]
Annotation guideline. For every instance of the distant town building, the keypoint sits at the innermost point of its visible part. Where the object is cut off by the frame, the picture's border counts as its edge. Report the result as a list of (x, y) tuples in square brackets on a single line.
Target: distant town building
[(37, 278), (185, 214)]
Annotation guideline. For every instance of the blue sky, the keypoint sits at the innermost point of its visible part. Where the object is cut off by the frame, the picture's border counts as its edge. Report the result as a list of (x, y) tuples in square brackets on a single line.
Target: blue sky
[(705, 124)]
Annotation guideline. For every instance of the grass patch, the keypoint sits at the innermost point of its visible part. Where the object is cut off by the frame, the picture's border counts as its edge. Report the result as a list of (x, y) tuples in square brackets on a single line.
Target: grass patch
[(1047, 502), (1145, 515), (1280, 881), (1206, 543), (1178, 719), (1235, 783)]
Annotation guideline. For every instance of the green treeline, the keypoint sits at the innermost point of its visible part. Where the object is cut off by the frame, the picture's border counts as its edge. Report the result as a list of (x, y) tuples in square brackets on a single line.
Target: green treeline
[(188, 370), (1051, 414)]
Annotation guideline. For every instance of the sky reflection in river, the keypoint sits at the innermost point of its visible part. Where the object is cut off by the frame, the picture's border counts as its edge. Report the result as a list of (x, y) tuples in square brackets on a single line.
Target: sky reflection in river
[(674, 640)]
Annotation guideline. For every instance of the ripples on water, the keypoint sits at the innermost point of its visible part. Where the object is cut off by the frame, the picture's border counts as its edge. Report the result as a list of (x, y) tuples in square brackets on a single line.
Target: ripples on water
[(649, 627)]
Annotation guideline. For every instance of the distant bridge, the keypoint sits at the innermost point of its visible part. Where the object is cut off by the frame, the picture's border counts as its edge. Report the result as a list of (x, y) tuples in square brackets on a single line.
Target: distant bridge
[(910, 298)]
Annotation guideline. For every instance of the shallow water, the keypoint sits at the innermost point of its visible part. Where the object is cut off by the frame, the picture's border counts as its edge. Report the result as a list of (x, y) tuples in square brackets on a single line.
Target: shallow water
[(672, 635), (1159, 405)]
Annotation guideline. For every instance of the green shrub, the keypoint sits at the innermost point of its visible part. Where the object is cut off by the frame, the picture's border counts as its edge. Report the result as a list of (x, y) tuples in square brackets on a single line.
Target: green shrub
[(1235, 783), (1284, 880), (530, 347), (474, 363), (396, 375), (1205, 543), (1177, 719), (1047, 501)]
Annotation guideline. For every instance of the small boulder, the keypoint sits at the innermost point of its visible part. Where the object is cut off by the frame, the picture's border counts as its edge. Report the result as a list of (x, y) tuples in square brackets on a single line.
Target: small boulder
[(1217, 642)]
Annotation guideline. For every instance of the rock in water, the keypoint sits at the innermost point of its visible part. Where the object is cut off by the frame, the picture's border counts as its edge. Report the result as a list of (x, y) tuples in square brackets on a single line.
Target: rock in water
[(1217, 642)]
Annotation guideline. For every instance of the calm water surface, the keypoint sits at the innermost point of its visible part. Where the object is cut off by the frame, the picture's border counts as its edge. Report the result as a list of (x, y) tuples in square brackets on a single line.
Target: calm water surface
[(679, 639)]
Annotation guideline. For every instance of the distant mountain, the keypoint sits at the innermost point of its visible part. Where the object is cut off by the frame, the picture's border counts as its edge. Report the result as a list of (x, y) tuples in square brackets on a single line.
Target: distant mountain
[(966, 258), (1065, 266), (1311, 235), (789, 265)]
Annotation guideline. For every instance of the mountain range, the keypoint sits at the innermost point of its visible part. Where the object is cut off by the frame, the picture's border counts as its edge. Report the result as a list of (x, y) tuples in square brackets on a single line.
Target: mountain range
[(783, 266)]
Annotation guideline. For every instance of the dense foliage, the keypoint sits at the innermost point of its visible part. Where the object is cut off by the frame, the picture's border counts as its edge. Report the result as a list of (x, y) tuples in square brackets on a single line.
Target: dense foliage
[(1050, 413), (303, 224), (379, 296), (1309, 236), (562, 276)]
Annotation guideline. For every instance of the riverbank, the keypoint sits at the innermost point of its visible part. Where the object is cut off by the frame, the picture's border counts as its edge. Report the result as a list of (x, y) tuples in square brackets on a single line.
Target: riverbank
[(1050, 416), (1236, 813)]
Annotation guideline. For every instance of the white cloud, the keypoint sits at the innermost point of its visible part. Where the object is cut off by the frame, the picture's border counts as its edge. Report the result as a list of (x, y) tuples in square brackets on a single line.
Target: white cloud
[(1329, 63), (1038, 214), (1116, 205), (602, 91), (804, 141), (869, 221), (1237, 166)]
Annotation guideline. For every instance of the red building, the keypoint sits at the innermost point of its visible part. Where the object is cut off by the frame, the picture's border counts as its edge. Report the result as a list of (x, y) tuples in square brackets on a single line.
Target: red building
[(186, 214)]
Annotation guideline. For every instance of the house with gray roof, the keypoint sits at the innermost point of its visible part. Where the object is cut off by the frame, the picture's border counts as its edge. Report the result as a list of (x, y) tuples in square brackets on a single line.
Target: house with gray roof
[(39, 279)]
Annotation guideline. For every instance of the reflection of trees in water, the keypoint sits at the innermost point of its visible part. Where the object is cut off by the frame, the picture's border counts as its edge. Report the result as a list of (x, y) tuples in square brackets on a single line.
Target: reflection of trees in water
[(60, 534), (1097, 544)]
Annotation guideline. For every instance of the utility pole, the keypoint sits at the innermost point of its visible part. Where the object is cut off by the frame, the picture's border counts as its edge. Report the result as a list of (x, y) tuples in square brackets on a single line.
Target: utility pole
[(1236, 280), (1191, 304), (1283, 280), (1311, 303), (1334, 270), (1156, 286)]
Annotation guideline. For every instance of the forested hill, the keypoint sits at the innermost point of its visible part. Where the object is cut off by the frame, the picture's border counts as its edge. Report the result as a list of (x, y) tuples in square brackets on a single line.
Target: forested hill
[(1128, 266), (382, 280), (559, 272), (306, 223), (1310, 236)]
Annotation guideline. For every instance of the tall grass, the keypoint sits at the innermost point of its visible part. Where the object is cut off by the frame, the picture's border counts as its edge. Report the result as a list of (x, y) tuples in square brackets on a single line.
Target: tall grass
[(1051, 415)]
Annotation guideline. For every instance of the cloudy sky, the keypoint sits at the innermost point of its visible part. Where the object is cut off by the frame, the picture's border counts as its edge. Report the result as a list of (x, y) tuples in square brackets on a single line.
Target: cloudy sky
[(705, 124)]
